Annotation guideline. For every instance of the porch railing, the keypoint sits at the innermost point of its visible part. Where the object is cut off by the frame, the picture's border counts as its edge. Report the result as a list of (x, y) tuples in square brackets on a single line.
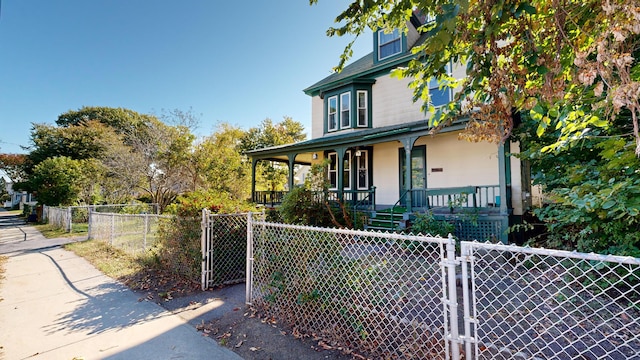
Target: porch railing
[(271, 198), (364, 200), (475, 197)]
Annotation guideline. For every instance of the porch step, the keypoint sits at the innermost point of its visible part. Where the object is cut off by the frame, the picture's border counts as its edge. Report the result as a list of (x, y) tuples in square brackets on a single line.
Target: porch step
[(384, 220)]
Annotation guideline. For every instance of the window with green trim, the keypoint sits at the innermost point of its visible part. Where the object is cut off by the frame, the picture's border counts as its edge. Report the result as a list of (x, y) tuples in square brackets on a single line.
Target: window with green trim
[(332, 113)]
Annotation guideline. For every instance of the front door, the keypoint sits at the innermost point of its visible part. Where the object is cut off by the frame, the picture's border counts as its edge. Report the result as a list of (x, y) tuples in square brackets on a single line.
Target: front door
[(418, 175)]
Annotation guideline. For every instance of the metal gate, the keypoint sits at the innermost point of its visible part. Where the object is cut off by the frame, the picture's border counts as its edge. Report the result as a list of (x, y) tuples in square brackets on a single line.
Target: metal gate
[(224, 248), (526, 303)]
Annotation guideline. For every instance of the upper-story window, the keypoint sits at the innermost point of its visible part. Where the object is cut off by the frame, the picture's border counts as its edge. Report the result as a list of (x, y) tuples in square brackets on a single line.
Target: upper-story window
[(389, 44), (439, 96), (345, 110), (363, 111), (348, 109), (332, 113)]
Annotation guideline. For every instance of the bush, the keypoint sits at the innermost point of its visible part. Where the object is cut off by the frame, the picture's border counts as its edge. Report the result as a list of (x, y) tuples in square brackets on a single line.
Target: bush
[(178, 248), (427, 224)]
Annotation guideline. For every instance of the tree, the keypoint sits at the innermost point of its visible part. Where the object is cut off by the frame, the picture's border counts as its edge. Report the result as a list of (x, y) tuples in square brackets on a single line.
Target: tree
[(567, 62), (62, 181), (4, 195), (13, 165), (220, 165), (272, 175)]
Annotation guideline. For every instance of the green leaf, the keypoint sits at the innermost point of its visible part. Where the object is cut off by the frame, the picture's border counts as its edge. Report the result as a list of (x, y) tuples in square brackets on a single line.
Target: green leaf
[(608, 204)]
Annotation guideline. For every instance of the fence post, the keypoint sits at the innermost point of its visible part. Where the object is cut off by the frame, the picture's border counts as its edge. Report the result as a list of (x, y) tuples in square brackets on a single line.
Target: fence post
[(89, 223), (146, 228), (452, 298), (203, 249), (70, 220), (467, 261), (249, 264), (113, 228)]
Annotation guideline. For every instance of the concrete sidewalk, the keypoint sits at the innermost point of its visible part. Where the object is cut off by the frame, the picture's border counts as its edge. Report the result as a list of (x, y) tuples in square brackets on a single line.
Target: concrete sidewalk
[(55, 305)]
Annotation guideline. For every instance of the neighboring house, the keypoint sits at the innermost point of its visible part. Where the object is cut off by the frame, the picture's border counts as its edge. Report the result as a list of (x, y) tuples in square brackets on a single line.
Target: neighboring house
[(383, 154), (18, 198)]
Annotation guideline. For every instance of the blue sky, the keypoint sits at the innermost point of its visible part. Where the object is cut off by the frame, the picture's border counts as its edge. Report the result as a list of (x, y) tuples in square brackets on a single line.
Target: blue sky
[(234, 62)]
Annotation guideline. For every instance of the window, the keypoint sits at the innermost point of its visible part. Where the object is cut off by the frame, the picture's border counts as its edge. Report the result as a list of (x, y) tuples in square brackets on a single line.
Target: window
[(362, 166), (333, 171), (332, 113), (363, 114), (439, 96), (389, 44), (347, 171), (345, 110)]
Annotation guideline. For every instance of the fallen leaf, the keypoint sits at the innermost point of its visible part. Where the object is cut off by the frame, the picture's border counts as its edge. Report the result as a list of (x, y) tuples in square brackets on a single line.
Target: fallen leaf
[(239, 344), (254, 348)]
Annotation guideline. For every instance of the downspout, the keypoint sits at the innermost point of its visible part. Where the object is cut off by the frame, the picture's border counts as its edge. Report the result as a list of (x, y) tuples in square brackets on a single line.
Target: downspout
[(503, 179)]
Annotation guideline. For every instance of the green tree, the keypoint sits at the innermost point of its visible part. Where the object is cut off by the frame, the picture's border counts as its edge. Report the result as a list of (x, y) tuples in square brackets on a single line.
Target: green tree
[(220, 165), (592, 187), (571, 63), (272, 175), (62, 181), (4, 195)]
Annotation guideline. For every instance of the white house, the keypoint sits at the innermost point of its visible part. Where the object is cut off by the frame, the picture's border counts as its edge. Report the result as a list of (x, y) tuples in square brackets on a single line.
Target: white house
[(383, 154)]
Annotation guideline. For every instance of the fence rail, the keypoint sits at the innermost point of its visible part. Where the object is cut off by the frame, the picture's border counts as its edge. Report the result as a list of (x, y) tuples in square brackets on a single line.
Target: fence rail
[(413, 297)]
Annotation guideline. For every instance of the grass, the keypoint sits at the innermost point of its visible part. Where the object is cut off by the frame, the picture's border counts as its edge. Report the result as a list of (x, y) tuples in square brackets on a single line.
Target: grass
[(113, 262), (50, 231)]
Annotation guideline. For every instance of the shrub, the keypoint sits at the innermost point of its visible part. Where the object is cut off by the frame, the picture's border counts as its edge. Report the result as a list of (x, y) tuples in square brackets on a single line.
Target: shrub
[(427, 224)]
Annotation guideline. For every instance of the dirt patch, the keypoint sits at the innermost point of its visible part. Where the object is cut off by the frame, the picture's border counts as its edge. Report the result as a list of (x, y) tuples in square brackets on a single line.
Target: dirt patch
[(222, 315)]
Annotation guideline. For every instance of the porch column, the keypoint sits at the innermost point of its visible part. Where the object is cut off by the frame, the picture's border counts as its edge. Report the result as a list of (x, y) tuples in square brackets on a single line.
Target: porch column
[(340, 169), (504, 179), (254, 162), (408, 147), (292, 159)]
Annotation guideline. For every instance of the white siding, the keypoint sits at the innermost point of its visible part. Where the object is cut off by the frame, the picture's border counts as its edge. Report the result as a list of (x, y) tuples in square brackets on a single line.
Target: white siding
[(317, 117), (463, 163), (392, 102), (385, 172)]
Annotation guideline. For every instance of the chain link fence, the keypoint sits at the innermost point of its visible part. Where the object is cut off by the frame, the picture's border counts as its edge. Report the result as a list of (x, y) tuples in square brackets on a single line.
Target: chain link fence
[(391, 296), (547, 304), (378, 294), (72, 218), (129, 232)]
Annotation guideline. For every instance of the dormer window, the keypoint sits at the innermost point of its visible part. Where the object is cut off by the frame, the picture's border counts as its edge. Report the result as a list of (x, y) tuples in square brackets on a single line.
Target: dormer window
[(389, 44)]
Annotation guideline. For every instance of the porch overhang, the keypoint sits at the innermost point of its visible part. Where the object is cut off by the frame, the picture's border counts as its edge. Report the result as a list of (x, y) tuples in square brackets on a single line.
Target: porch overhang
[(302, 152)]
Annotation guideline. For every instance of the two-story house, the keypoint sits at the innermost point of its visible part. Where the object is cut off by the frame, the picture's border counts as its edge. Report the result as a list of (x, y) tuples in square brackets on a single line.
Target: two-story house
[(383, 154)]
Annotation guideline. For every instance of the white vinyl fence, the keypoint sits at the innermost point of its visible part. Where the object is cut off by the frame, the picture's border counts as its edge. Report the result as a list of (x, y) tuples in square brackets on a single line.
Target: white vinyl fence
[(391, 296)]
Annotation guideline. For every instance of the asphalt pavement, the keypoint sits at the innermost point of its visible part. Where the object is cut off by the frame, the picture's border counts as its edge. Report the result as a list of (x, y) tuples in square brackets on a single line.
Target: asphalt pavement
[(55, 305)]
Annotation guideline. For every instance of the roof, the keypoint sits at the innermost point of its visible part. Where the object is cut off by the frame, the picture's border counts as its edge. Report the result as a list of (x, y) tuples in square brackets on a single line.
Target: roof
[(363, 68), (353, 138)]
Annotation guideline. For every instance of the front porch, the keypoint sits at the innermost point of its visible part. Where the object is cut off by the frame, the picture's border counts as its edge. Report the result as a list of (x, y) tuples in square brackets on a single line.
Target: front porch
[(413, 171)]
